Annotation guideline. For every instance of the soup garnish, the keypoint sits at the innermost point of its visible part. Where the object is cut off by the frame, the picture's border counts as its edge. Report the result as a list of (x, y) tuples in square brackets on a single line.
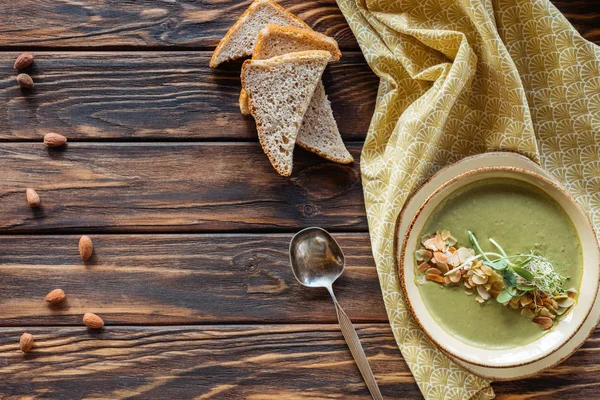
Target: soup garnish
[(525, 282)]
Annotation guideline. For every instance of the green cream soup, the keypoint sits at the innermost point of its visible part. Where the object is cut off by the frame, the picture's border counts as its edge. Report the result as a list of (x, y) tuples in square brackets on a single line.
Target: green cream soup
[(522, 219)]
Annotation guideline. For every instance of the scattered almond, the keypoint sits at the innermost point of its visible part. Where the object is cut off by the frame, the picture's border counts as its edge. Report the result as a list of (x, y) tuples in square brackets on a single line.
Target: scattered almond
[(92, 321), (26, 342), (25, 81), (33, 199), (56, 296), (86, 248), (54, 140), (23, 61)]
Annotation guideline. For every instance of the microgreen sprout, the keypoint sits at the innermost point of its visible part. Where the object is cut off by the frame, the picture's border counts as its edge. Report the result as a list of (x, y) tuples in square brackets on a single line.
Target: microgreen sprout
[(521, 272)]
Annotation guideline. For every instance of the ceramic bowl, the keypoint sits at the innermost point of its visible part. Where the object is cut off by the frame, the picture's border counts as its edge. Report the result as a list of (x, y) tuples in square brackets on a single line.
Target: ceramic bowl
[(556, 337)]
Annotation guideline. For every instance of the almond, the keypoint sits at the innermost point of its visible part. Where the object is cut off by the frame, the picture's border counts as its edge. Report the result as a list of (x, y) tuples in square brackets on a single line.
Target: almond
[(33, 199), (25, 81), (56, 296), (24, 60), (26, 342), (86, 248), (54, 140), (92, 321)]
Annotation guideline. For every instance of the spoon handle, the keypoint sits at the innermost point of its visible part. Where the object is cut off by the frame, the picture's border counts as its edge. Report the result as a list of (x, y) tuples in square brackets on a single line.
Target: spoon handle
[(356, 349)]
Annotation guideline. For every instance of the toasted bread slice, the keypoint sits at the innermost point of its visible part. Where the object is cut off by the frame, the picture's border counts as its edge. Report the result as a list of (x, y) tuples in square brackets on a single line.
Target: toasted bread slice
[(274, 40), (279, 90), (241, 37), (319, 132)]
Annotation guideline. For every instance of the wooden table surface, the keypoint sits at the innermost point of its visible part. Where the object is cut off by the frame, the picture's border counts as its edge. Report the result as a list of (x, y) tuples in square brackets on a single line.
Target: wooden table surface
[(190, 223)]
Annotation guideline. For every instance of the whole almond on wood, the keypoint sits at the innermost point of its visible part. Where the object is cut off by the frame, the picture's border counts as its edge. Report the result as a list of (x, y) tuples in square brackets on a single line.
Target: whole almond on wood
[(25, 81), (86, 248), (54, 140), (24, 60), (56, 296), (26, 342), (33, 199), (92, 321)]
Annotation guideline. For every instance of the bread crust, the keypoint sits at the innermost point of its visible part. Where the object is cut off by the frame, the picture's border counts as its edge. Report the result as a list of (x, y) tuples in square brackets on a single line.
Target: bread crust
[(304, 34), (255, 4)]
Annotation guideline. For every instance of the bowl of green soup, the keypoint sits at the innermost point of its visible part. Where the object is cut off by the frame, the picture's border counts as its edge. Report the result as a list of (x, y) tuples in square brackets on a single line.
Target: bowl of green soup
[(500, 267)]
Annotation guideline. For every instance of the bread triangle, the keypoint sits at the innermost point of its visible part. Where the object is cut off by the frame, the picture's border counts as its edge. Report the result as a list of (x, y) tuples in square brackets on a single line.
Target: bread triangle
[(279, 91), (319, 132), (241, 37)]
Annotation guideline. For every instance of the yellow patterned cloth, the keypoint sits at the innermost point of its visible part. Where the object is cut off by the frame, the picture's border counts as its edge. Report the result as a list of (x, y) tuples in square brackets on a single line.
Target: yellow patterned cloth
[(462, 77)]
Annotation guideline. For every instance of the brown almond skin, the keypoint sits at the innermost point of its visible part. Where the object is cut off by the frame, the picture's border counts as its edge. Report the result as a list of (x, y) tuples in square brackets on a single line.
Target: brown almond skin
[(25, 81), (92, 321), (54, 140), (86, 248), (23, 61), (56, 296), (26, 342), (33, 199)]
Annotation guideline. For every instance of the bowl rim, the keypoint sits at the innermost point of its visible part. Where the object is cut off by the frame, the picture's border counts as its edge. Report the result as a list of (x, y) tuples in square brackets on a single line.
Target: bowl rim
[(400, 258)]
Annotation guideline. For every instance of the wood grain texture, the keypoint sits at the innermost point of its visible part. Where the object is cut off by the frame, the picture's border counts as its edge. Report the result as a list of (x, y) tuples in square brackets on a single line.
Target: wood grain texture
[(195, 24), (178, 279), (243, 362), (177, 187), (192, 24), (156, 95)]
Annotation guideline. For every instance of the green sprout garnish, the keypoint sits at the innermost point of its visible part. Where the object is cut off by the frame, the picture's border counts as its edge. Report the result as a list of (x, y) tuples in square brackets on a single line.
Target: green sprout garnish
[(522, 272)]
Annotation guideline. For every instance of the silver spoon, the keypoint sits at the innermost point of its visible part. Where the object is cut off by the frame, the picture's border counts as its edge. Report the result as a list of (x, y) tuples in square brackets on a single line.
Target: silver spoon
[(317, 261)]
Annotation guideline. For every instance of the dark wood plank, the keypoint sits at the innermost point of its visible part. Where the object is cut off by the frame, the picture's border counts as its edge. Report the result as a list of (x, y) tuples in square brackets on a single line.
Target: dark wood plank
[(177, 187), (156, 95), (196, 24), (250, 362), (178, 279), (576, 378)]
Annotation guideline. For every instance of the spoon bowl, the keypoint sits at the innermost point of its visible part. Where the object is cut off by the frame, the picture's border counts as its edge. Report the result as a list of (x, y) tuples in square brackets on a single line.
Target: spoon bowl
[(316, 258)]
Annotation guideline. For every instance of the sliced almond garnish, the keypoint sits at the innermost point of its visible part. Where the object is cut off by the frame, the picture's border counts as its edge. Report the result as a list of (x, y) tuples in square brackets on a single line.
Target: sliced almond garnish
[(561, 310), (442, 267), (433, 271), (435, 278), (430, 244), (544, 312), (454, 278), (514, 303), (452, 249), (525, 300), (451, 241), (445, 234), (545, 322), (467, 285), (478, 280), (424, 239), (463, 254), (487, 270), (423, 267), (440, 243), (479, 299), (485, 295), (454, 259), (526, 312), (440, 257), (423, 255), (566, 303), (447, 280), (468, 292)]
